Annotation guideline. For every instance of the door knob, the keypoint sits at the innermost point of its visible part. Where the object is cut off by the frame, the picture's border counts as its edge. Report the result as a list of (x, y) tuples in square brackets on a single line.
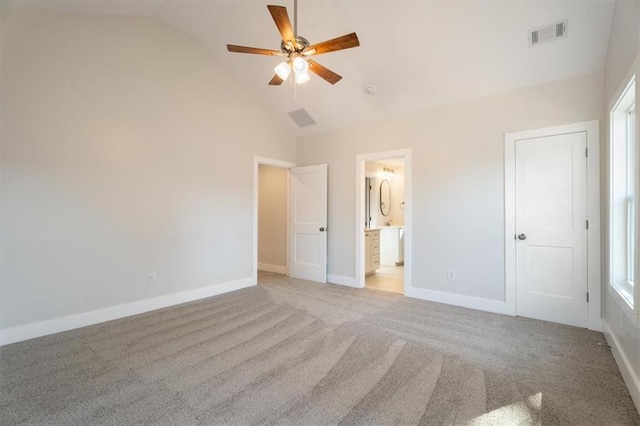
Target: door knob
[(522, 237), (322, 229)]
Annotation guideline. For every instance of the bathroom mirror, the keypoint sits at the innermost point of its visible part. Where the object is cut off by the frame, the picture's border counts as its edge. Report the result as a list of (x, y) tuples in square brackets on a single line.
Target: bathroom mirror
[(385, 197)]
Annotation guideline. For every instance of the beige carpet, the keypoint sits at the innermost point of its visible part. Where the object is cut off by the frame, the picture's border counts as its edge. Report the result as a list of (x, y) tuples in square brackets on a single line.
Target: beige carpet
[(293, 352)]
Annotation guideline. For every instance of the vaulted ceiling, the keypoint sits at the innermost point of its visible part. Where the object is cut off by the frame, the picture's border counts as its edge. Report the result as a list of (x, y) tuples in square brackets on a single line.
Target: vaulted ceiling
[(417, 54)]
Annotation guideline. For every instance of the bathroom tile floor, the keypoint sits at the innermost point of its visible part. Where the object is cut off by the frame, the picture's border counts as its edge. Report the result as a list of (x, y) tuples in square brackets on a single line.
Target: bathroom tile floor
[(387, 278)]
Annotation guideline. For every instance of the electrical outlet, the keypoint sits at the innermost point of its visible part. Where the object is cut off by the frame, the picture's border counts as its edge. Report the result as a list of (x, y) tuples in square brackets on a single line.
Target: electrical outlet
[(451, 275), (151, 278)]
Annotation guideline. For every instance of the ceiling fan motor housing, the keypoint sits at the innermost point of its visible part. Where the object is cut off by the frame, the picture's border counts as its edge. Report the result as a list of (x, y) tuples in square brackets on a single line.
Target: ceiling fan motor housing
[(301, 44)]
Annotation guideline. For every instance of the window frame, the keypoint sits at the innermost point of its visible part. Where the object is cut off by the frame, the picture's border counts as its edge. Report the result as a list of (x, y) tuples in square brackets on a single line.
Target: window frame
[(632, 194), (623, 126)]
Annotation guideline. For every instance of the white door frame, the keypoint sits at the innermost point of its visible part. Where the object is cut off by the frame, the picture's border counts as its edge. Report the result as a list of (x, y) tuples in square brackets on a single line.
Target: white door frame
[(359, 229), (274, 163), (592, 129)]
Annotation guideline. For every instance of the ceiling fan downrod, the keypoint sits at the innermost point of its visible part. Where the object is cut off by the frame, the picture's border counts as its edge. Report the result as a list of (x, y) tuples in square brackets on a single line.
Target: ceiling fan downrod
[(299, 43), (295, 18)]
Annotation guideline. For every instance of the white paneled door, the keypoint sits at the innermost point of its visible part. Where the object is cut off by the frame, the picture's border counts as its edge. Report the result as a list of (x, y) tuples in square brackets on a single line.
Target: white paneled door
[(551, 228), (309, 223)]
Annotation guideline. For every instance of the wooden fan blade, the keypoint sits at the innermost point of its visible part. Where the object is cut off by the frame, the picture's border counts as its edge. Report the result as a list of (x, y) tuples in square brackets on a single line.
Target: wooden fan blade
[(323, 72), (254, 50), (281, 18), (276, 81), (340, 43)]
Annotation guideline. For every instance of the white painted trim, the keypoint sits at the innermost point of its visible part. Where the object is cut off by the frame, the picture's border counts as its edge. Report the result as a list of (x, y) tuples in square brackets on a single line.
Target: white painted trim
[(510, 224), (632, 313), (594, 255), (278, 269), (408, 222), (275, 163), (623, 305), (488, 305), (57, 325), (630, 378), (342, 280), (592, 128)]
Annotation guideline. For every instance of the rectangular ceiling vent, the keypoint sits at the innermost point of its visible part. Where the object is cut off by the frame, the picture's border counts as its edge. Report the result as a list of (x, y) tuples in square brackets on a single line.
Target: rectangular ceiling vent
[(547, 33), (302, 118)]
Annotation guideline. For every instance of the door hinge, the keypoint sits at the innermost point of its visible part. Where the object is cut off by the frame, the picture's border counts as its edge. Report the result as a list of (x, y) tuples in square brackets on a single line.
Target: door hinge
[(586, 152), (587, 297), (587, 224)]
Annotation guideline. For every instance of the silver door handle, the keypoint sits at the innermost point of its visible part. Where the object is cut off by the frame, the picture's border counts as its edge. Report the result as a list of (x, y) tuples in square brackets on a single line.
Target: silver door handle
[(522, 237)]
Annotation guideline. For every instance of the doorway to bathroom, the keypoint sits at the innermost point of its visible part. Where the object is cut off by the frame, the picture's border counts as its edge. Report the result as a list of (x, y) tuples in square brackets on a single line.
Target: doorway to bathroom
[(383, 239)]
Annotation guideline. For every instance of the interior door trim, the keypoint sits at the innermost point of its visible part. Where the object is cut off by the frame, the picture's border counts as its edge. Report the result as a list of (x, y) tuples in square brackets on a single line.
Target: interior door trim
[(592, 129)]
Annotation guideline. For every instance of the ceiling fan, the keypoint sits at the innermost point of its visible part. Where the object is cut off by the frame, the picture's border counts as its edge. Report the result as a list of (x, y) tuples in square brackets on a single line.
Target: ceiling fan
[(298, 50)]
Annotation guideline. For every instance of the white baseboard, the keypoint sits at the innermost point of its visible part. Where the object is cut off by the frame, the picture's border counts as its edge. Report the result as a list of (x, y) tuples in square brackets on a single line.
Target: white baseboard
[(272, 268), (471, 302), (57, 325), (630, 378), (342, 280)]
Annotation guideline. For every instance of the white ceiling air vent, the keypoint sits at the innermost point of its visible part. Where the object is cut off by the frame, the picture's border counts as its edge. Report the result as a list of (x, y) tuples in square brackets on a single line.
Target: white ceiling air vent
[(302, 118), (548, 33)]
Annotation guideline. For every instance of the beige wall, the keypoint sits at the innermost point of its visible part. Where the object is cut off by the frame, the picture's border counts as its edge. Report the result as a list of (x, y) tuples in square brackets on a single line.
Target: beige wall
[(125, 150), (623, 45), (621, 325), (458, 168), (272, 218)]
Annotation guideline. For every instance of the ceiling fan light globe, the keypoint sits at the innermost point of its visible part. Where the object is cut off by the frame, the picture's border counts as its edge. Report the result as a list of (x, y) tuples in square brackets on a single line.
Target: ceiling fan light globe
[(283, 70), (300, 65), (302, 77)]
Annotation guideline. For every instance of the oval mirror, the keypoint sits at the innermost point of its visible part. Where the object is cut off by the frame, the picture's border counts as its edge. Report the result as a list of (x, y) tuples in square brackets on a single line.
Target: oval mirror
[(385, 197)]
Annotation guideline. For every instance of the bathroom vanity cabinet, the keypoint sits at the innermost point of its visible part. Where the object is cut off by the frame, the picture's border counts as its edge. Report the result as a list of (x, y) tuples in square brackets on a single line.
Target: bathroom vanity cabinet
[(371, 250)]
